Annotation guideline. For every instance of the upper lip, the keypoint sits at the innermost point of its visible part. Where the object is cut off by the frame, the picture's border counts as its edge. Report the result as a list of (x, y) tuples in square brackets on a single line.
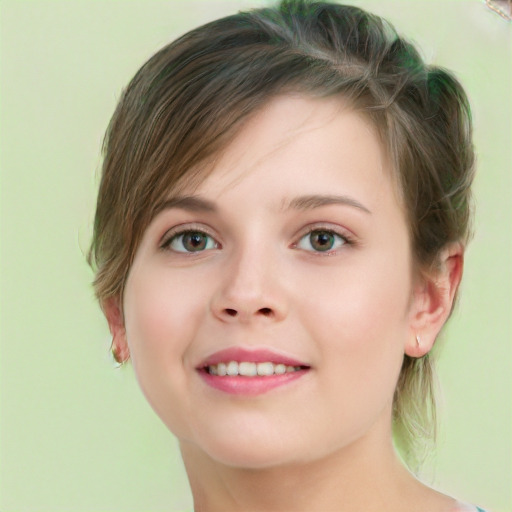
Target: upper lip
[(255, 355)]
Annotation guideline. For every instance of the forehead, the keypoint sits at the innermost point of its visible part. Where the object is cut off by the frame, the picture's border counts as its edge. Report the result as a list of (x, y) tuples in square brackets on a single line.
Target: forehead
[(300, 144)]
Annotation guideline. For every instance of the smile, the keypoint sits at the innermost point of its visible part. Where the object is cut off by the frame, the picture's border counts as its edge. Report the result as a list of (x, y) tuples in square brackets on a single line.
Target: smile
[(249, 369), (241, 371)]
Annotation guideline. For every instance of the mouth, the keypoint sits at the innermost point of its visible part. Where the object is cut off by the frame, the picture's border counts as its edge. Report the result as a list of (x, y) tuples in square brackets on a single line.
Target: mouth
[(251, 369), (250, 372)]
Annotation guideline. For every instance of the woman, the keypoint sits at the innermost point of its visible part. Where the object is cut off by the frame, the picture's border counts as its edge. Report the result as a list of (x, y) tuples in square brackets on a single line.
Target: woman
[(279, 239)]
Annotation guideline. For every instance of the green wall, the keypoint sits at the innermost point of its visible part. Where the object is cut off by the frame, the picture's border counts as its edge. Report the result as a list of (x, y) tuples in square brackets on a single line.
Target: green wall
[(76, 434)]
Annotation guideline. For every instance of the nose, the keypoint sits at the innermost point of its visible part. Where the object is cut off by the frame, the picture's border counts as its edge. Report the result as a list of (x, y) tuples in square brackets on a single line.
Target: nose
[(250, 290)]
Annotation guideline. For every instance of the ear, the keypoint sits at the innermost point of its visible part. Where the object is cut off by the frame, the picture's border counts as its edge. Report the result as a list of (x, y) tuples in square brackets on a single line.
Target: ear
[(433, 300), (113, 312)]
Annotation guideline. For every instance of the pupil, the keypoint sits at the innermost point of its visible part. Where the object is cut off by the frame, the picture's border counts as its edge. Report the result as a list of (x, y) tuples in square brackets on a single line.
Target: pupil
[(194, 241), (322, 240)]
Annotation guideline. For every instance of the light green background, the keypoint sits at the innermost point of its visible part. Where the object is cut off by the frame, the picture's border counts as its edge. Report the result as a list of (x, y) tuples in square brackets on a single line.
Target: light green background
[(76, 434)]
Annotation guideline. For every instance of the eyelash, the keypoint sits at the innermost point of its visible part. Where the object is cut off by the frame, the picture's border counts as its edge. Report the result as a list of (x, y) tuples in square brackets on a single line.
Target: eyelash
[(176, 233), (343, 237)]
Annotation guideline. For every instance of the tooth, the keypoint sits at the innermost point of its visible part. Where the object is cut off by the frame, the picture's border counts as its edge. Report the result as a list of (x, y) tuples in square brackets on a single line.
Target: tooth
[(279, 369), (250, 369), (265, 369), (232, 368), (247, 369)]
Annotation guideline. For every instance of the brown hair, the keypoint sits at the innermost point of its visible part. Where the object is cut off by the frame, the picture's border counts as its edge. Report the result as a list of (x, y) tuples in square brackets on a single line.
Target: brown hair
[(185, 104)]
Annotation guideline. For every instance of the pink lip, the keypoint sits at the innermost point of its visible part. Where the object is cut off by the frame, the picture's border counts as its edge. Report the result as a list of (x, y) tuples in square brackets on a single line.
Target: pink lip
[(250, 386)]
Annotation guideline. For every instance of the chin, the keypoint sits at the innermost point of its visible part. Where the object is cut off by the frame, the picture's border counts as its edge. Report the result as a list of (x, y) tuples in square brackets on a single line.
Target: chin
[(251, 459), (242, 450)]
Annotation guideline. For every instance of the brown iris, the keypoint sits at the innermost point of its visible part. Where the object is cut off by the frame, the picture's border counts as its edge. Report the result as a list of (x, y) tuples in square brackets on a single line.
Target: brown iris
[(194, 241), (321, 240)]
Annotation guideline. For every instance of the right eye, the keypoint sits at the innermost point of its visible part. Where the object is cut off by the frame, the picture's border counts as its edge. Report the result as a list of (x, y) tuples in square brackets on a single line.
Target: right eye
[(190, 241)]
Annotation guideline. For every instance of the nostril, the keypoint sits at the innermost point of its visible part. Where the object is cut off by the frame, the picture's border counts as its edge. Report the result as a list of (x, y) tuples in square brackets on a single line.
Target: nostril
[(267, 312)]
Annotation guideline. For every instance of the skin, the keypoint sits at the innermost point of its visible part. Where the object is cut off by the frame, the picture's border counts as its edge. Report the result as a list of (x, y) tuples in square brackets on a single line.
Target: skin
[(322, 442)]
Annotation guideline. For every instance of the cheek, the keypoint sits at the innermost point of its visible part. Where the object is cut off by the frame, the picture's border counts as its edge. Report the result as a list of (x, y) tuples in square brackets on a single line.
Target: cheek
[(162, 315), (361, 324), (162, 310), (361, 299), (151, 321)]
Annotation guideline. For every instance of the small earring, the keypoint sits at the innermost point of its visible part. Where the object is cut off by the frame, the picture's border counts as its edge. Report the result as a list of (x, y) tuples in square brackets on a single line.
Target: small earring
[(116, 354), (418, 340)]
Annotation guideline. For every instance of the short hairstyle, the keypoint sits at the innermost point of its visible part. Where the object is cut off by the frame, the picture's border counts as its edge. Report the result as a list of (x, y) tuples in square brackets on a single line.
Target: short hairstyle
[(187, 102)]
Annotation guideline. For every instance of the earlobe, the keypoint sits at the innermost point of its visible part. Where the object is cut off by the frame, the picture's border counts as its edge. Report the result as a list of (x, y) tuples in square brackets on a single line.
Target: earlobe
[(115, 319), (433, 301)]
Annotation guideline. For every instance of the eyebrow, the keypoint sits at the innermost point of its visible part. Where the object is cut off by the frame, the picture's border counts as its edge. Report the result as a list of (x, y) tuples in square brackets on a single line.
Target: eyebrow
[(310, 202), (189, 203)]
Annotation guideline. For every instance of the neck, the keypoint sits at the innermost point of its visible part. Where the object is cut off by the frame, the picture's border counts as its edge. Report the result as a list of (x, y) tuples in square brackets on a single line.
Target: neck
[(361, 477)]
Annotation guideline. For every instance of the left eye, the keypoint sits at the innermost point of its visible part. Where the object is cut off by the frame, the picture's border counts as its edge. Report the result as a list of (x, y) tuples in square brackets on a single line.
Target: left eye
[(321, 240), (191, 241)]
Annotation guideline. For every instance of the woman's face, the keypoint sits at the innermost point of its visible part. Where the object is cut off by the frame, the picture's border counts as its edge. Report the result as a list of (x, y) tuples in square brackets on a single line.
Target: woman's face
[(294, 251)]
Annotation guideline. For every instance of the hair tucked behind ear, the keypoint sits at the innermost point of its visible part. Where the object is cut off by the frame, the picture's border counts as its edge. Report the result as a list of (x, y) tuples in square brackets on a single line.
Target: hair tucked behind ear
[(187, 102)]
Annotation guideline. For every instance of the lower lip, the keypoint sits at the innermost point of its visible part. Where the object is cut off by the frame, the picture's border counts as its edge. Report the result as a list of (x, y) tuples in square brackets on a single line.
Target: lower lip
[(250, 386)]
